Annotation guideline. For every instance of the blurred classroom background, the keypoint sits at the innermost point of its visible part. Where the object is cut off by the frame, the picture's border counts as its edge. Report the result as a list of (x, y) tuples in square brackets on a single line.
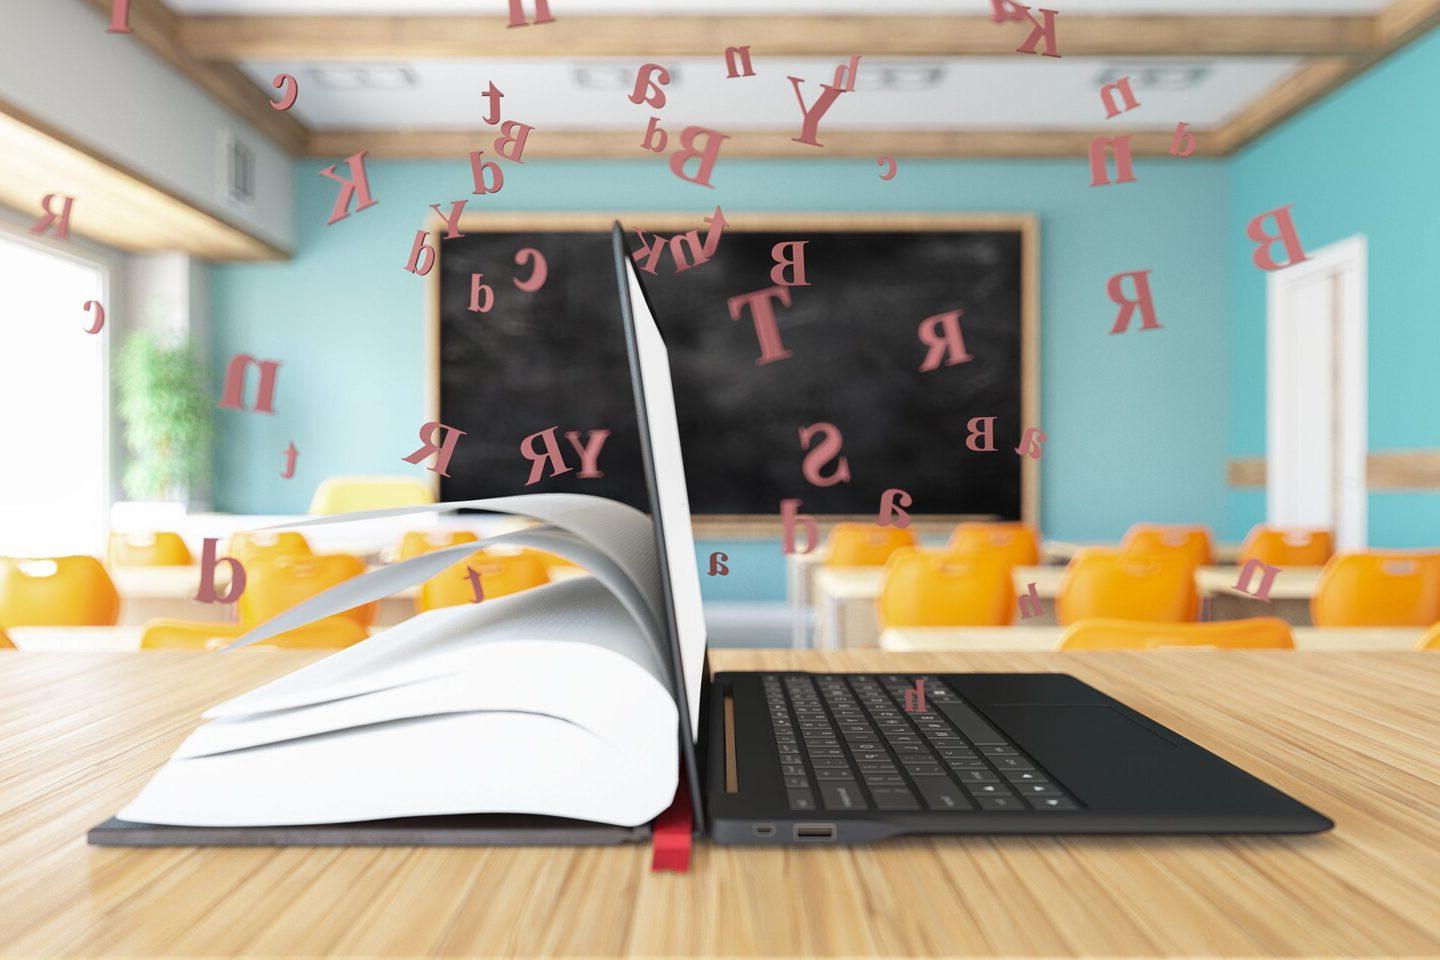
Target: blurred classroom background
[(1284, 418)]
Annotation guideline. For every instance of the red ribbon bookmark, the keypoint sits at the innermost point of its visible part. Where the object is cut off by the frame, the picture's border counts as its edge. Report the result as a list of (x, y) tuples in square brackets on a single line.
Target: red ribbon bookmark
[(672, 833)]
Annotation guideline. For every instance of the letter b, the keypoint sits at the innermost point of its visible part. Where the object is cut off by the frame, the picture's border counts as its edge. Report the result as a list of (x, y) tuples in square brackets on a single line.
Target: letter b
[(208, 563), (1294, 253), (795, 261)]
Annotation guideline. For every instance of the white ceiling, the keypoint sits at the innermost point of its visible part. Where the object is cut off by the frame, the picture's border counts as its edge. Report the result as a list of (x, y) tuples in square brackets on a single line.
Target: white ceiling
[(561, 8), (892, 92)]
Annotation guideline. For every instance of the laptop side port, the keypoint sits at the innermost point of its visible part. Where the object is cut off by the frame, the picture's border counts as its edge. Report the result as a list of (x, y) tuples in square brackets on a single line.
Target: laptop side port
[(763, 830), (814, 831)]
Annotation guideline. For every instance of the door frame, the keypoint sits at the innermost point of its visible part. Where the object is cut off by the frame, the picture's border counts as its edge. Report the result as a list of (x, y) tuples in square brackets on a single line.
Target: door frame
[(1350, 371)]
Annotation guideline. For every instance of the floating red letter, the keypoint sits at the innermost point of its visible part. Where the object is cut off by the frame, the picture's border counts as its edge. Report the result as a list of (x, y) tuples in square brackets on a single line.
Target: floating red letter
[(233, 395), (1294, 253), (62, 232), (291, 86), (1141, 280), (941, 333), (763, 313), (99, 323), (537, 275), (445, 449), (828, 449), (357, 182)]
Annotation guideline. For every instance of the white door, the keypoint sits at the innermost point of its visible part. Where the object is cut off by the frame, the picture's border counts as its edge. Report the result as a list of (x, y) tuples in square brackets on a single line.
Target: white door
[(54, 407), (1316, 394)]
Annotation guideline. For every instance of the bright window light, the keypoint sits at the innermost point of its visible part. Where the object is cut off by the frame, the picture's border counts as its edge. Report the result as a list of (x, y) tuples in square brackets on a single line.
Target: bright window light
[(54, 405)]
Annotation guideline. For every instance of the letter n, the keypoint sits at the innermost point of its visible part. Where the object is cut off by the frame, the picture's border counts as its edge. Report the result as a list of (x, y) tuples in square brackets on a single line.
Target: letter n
[(1267, 577), (517, 13), (734, 57), (1107, 97), (233, 395), (1124, 163)]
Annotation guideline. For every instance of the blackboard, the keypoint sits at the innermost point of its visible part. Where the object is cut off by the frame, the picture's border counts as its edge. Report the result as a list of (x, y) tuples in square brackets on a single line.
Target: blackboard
[(555, 357)]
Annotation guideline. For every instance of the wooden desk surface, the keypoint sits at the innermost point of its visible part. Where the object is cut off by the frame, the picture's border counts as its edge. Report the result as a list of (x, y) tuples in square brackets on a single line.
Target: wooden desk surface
[(1027, 638), (1354, 735)]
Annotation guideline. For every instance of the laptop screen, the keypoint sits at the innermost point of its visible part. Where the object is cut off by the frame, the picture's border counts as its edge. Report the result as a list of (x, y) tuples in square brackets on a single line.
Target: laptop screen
[(660, 448)]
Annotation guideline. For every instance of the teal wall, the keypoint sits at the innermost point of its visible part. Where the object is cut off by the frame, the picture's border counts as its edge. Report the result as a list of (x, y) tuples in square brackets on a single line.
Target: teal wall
[(1362, 161), (1137, 429)]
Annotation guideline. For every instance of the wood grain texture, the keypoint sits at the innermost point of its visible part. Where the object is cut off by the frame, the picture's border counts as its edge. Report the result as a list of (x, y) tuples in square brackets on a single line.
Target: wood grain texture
[(115, 203), (1354, 735), (401, 37), (1384, 470), (552, 144)]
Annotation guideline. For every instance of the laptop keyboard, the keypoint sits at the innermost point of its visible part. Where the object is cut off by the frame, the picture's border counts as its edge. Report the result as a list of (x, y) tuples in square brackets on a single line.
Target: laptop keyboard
[(836, 733)]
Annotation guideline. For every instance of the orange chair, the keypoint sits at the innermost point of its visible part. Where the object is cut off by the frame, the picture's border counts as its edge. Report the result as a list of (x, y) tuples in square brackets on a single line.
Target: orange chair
[(417, 543), (1270, 633), (275, 584), (331, 632), (1111, 583), (1430, 640), (251, 545), (1017, 543), (1378, 589), (5, 642), (865, 544), (928, 589), (1287, 548), (500, 574), (1191, 542), (56, 591), (148, 550)]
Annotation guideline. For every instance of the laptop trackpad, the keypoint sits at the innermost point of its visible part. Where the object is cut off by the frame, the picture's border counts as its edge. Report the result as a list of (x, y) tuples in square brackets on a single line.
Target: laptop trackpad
[(1098, 752)]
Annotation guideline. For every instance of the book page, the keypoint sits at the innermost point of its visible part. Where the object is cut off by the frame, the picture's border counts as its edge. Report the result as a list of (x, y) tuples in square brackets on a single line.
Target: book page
[(445, 641)]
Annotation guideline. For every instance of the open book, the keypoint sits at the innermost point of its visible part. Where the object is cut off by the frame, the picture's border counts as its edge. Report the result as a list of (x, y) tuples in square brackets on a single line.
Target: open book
[(556, 701)]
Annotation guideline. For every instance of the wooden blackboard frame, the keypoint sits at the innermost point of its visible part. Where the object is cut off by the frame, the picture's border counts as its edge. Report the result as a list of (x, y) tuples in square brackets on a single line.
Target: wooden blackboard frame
[(763, 524)]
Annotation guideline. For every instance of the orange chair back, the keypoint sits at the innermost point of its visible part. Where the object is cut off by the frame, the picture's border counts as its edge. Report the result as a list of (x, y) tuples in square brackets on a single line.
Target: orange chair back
[(275, 584), (500, 574), (1374, 589), (928, 589), (1016, 543), (1269, 633), (148, 550), (331, 632), (865, 544), (417, 543), (5, 642), (1191, 542), (1127, 586), (1430, 640), (248, 546), (56, 591), (1287, 548)]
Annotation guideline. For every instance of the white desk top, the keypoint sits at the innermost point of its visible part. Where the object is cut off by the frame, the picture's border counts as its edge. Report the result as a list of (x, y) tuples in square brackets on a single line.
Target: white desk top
[(1023, 638)]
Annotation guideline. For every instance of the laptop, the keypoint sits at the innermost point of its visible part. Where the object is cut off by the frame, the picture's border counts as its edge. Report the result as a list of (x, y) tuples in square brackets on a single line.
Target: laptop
[(785, 757)]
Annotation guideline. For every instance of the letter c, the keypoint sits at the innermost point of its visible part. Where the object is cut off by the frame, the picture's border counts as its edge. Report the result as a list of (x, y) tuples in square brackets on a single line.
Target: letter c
[(287, 99), (889, 174)]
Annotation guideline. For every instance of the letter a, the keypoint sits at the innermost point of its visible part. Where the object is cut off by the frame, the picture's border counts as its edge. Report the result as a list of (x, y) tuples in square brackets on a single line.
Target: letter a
[(1267, 577), (208, 563), (1141, 280), (233, 395), (449, 436), (552, 455), (1030, 442), (1294, 253), (941, 333), (828, 450), (763, 312), (517, 13), (656, 98), (62, 232), (889, 511), (717, 564), (358, 182)]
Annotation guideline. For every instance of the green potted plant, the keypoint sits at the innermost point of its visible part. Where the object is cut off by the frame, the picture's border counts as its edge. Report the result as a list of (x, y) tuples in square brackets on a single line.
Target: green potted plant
[(166, 414)]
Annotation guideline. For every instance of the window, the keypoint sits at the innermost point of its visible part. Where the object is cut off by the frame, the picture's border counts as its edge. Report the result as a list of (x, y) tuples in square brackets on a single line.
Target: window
[(54, 404)]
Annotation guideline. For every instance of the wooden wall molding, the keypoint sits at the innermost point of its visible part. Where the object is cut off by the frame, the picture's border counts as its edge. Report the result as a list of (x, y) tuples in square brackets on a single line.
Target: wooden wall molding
[(767, 144), (1384, 470), (407, 37), (116, 205)]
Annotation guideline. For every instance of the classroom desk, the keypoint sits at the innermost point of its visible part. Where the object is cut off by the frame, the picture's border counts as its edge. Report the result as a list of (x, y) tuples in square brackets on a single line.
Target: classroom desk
[(1353, 734), (846, 617), (1032, 638), (1060, 551)]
